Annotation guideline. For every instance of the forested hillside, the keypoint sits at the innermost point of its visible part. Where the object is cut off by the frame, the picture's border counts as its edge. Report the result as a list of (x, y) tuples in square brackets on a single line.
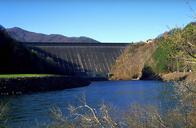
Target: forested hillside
[(174, 51), (16, 58)]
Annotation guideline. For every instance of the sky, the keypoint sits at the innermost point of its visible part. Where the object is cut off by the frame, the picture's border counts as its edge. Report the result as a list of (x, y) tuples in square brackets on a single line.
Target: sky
[(103, 20)]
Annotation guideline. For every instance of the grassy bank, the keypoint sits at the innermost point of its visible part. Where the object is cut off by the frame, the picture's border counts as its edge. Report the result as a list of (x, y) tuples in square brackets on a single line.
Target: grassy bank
[(13, 76), (179, 76)]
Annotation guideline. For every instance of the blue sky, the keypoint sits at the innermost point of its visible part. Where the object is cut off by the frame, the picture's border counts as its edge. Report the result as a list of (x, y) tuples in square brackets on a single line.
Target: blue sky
[(103, 20)]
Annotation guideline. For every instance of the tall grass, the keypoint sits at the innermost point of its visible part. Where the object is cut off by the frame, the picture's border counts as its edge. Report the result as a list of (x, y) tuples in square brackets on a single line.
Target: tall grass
[(183, 115), (3, 114)]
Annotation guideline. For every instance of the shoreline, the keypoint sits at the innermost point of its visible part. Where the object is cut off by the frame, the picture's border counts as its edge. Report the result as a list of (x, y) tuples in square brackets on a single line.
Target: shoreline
[(27, 85)]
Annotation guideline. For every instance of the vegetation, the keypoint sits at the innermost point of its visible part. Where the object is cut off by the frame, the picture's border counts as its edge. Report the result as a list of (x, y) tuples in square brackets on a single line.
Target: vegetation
[(8, 76), (182, 115), (130, 64), (3, 112), (171, 57), (174, 51)]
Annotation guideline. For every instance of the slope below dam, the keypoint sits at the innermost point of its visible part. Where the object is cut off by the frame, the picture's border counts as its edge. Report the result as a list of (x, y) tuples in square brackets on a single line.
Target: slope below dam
[(88, 60)]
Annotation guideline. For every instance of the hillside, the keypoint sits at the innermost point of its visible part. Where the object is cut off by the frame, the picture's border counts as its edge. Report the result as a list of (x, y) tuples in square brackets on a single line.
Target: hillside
[(173, 51), (27, 36), (16, 58), (176, 51), (131, 63)]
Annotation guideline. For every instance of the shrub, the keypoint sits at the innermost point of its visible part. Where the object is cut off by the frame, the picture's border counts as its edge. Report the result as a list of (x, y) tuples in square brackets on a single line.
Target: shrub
[(137, 116)]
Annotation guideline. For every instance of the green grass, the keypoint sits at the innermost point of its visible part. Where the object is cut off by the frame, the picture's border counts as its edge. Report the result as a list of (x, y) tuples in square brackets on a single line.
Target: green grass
[(24, 75)]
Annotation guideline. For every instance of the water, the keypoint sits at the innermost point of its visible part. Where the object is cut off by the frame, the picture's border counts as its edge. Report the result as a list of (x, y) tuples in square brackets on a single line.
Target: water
[(32, 110)]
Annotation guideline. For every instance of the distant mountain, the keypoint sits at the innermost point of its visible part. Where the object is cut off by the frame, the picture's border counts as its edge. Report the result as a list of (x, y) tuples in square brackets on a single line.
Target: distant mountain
[(27, 36), (15, 58)]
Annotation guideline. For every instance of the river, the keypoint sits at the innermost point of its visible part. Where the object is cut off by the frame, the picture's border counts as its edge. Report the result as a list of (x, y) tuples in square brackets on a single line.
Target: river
[(33, 109)]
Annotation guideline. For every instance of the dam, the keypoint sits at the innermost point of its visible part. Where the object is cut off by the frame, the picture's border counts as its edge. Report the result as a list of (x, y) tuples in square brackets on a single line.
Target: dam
[(90, 60)]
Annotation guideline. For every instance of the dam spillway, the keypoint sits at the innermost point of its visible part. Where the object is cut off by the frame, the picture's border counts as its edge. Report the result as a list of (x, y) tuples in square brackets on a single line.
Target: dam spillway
[(91, 60)]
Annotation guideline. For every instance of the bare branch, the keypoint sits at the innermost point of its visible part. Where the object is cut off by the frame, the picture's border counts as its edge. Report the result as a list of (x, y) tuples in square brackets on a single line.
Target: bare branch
[(191, 44), (93, 112), (160, 120), (191, 9), (189, 52), (80, 115), (189, 89)]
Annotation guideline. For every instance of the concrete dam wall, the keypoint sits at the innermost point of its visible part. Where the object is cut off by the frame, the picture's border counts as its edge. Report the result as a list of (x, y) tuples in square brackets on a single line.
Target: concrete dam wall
[(91, 60)]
